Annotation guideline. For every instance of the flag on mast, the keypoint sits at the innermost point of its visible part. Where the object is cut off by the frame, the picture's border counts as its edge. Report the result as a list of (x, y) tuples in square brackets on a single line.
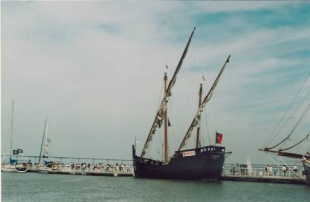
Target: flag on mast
[(218, 138)]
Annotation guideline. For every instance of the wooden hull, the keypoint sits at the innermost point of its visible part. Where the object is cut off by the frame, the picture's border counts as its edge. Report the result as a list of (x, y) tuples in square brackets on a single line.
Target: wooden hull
[(206, 163)]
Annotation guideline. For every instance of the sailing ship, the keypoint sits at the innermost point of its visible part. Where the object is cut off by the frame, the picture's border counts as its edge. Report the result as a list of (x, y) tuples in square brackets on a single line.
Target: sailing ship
[(201, 162), (293, 151)]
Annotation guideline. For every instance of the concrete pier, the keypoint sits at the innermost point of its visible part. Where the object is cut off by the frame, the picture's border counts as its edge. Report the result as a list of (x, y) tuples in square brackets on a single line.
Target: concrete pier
[(269, 179), (94, 173), (273, 174), (115, 174)]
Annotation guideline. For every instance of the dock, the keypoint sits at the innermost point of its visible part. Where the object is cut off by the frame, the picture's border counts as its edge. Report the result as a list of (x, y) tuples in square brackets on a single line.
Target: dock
[(269, 179), (112, 173), (115, 174), (94, 173), (259, 174)]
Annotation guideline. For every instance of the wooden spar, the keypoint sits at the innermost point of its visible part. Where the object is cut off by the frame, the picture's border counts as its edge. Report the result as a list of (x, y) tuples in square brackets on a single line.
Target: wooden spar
[(173, 79), (204, 102), (198, 129), (166, 126), (165, 98), (286, 154), (290, 155)]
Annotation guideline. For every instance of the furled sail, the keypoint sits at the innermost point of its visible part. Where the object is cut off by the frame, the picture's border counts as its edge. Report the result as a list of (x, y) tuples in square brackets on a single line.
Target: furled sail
[(196, 120), (160, 113)]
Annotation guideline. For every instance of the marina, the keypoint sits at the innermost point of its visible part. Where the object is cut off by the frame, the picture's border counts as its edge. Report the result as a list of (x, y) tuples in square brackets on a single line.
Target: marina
[(237, 173), (77, 168), (145, 101)]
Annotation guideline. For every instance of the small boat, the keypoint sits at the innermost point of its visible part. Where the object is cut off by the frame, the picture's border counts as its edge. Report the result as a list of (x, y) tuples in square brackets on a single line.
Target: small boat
[(198, 163), (21, 168), (14, 167), (8, 168)]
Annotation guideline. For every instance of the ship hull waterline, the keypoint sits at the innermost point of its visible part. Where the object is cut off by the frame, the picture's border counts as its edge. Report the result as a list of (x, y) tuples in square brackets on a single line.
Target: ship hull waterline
[(203, 165)]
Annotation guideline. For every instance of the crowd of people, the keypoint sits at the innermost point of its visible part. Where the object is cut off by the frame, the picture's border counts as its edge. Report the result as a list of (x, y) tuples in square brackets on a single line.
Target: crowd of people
[(269, 170), (99, 167), (274, 170)]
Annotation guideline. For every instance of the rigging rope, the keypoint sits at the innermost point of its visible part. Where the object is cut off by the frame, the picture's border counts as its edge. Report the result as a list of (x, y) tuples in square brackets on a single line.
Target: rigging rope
[(296, 143), (298, 122), (287, 110)]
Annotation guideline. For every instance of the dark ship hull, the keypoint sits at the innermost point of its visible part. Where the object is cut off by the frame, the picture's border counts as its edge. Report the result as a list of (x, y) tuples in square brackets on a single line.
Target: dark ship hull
[(195, 164)]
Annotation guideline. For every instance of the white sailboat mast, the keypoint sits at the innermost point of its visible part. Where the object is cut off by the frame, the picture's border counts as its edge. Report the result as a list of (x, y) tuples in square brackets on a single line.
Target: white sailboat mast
[(11, 138), (44, 141)]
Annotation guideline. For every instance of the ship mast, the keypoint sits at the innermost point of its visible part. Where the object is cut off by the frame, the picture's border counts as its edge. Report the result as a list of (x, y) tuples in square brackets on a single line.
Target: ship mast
[(160, 112), (198, 128), (166, 125), (195, 121)]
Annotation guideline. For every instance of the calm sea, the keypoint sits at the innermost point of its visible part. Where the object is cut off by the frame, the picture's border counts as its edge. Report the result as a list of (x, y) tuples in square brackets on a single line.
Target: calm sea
[(35, 187)]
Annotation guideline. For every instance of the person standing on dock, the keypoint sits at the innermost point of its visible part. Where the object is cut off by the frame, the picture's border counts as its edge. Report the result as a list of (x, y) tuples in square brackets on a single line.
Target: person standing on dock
[(295, 169), (275, 171), (284, 170), (270, 171)]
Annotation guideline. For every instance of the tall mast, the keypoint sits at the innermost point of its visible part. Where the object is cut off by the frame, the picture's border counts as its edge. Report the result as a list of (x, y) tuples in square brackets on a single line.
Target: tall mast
[(44, 137), (198, 128), (11, 139), (165, 125), (195, 121), (160, 111)]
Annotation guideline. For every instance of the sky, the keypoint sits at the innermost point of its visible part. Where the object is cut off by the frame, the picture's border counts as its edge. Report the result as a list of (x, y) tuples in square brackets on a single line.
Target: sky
[(96, 70)]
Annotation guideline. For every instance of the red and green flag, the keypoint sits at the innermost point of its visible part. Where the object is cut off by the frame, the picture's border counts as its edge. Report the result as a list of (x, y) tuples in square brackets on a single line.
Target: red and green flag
[(218, 138)]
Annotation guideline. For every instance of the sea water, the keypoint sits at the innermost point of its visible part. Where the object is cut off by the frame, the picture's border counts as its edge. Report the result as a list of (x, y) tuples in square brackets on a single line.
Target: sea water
[(36, 187)]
